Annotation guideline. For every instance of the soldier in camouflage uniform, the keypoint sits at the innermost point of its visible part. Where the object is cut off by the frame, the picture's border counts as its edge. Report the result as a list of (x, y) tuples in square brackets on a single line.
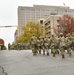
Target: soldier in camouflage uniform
[(43, 46), (53, 45), (9, 46), (16, 47), (73, 42), (69, 43), (62, 45), (38, 45), (46, 45), (34, 44)]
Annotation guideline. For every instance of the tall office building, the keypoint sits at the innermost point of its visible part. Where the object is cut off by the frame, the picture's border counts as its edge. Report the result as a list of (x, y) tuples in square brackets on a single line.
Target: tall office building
[(26, 14)]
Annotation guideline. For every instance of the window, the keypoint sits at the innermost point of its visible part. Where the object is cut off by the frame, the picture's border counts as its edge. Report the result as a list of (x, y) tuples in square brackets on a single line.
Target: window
[(32, 9), (22, 9)]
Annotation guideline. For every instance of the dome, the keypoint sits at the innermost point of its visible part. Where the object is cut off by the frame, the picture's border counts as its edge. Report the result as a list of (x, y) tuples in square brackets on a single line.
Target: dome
[(1, 41)]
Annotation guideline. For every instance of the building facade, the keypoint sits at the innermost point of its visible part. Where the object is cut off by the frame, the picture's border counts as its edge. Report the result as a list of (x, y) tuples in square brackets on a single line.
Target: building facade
[(50, 24), (26, 14)]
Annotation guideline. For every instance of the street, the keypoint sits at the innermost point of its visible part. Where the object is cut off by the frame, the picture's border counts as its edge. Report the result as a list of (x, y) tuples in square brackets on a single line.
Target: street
[(22, 62)]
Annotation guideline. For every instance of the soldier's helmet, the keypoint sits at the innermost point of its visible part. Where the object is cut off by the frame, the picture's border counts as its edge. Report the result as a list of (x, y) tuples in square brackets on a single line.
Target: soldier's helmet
[(61, 34), (52, 35), (72, 35), (68, 35), (33, 35), (42, 37)]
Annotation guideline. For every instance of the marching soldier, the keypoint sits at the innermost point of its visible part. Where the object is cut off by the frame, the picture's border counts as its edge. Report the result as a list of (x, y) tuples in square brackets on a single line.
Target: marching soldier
[(73, 42), (69, 43), (9, 46), (43, 46), (39, 45), (53, 45), (34, 44), (62, 45), (46, 44)]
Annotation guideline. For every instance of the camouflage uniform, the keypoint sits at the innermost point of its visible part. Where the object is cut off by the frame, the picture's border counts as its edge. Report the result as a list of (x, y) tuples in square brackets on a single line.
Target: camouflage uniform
[(9, 46), (16, 47), (69, 44), (73, 42), (53, 45), (43, 46), (34, 44), (46, 45), (39, 45), (62, 45)]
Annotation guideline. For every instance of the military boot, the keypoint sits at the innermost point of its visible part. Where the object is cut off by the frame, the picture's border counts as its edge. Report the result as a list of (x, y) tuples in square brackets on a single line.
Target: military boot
[(34, 54), (70, 54), (63, 56), (43, 52), (54, 54), (51, 52), (39, 51), (57, 51), (47, 54)]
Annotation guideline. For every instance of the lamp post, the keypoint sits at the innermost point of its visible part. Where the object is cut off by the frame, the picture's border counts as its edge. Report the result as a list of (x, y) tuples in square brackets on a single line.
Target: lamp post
[(43, 25)]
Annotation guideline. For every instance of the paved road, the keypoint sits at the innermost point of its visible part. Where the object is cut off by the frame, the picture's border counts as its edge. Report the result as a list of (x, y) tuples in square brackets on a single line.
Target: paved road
[(24, 63), (2, 71)]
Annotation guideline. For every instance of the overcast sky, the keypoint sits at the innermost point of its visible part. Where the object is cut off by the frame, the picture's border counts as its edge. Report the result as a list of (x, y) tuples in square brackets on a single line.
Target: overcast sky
[(8, 14)]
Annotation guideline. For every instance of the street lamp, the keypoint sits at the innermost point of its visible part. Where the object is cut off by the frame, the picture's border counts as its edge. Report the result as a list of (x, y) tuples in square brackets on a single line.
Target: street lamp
[(42, 23)]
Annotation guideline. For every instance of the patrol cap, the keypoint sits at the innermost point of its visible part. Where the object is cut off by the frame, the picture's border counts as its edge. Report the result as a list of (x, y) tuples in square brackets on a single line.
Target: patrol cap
[(61, 33), (33, 35), (68, 34), (52, 35), (72, 34)]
